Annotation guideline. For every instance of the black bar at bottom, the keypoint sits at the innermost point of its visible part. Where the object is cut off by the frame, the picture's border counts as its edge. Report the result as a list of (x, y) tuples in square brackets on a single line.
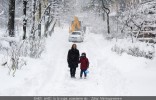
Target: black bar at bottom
[(77, 97)]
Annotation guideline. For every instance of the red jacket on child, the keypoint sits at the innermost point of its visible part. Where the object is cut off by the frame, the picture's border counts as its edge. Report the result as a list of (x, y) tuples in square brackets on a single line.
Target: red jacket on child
[(84, 63)]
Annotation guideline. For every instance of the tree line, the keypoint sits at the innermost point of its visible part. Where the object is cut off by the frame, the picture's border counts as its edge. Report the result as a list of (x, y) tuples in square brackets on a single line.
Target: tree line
[(40, 11)]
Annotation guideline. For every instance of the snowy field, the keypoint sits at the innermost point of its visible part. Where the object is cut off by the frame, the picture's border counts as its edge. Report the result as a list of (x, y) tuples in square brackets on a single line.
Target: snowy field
[(109, 74)]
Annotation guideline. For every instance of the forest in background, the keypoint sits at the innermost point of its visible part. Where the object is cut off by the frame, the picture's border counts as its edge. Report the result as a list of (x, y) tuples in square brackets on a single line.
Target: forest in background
[(25, 25)]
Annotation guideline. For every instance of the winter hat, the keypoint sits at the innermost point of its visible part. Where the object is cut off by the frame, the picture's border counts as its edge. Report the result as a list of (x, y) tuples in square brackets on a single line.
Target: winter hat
[(83, 54)]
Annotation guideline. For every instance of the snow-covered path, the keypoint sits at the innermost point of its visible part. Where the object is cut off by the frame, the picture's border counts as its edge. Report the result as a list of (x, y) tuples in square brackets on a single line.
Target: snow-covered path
[(58, 81), (109, 73)]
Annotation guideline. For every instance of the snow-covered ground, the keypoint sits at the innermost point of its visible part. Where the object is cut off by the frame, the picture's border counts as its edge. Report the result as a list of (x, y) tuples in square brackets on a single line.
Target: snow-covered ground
[(109, 74)]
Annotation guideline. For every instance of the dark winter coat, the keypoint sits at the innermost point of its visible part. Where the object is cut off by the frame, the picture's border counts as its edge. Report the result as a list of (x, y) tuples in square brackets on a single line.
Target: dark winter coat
[(84, 63), (73, 58)]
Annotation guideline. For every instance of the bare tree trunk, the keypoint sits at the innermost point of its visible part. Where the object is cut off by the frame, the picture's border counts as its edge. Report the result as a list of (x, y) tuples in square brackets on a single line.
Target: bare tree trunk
[(11, 18), (103, 15), (107, 11), (24, 19), (132, 34), (52, 30), (33, 20), (47, 23), (39, 26), (108, 26)]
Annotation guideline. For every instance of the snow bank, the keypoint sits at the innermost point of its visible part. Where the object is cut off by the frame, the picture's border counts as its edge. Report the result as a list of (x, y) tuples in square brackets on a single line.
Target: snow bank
[(138, 49)]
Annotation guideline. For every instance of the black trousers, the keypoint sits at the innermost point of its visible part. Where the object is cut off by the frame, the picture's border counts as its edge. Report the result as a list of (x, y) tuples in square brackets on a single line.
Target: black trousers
[(72, 71)]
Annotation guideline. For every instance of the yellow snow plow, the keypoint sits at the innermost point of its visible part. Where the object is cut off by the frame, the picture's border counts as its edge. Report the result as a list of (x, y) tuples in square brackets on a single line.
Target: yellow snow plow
[(75, 25)]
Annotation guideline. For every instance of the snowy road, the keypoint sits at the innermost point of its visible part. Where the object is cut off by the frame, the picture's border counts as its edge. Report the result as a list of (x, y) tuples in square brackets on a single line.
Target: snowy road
[(58, 81), (109, 73)]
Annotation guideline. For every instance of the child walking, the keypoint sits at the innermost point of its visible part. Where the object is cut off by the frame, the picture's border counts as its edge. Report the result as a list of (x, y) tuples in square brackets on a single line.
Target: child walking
[(84, 64)]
